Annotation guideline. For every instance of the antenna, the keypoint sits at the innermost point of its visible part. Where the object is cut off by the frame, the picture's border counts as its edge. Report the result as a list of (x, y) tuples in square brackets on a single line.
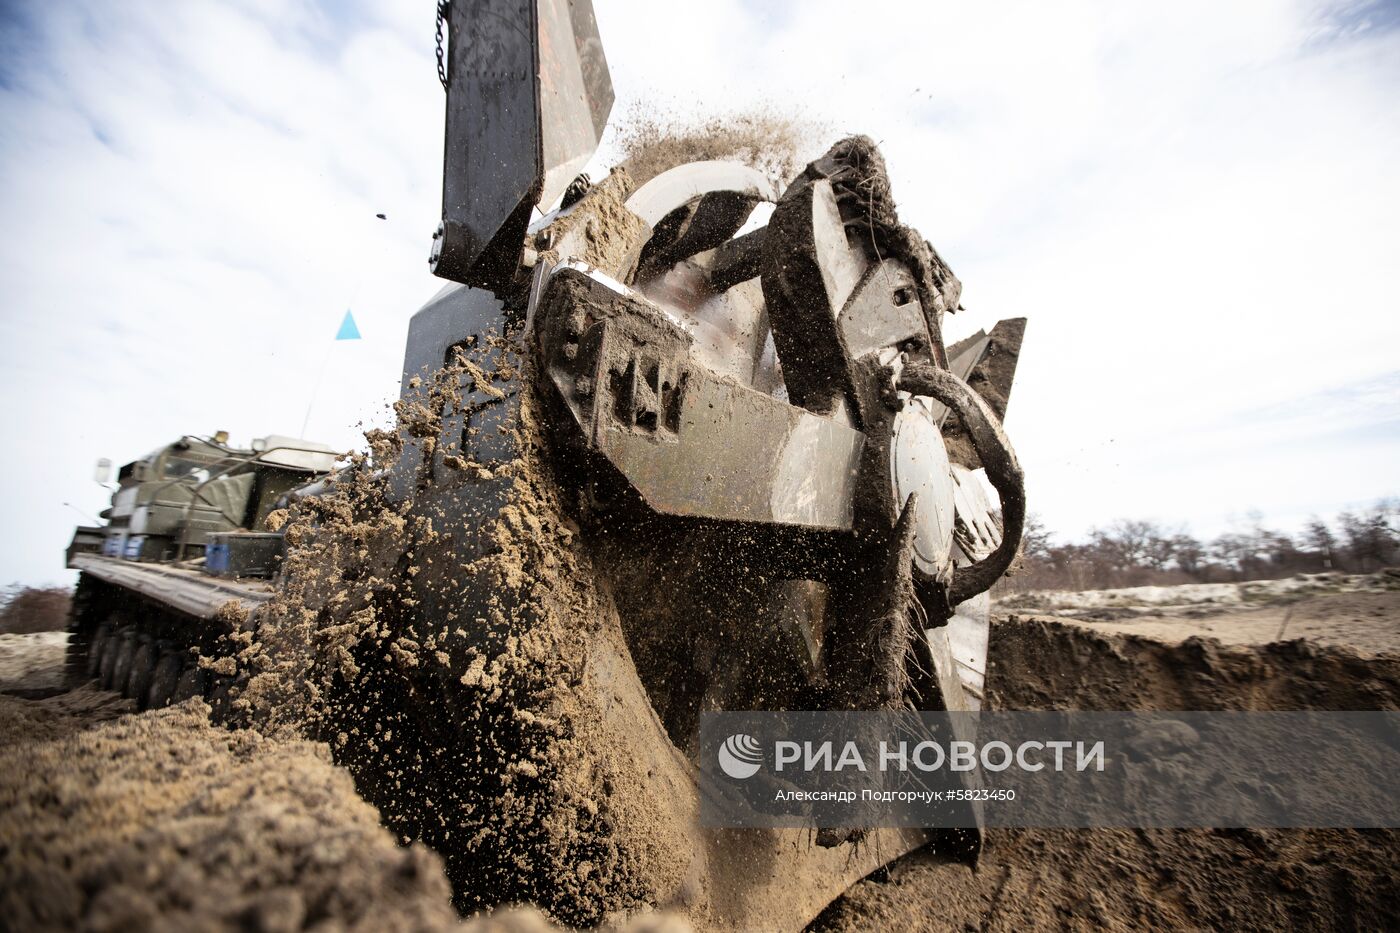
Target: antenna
[(85, 515)]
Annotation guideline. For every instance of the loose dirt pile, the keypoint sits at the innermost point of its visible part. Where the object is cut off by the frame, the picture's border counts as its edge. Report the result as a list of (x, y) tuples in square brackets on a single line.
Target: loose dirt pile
[(113, 820), (161, 820)]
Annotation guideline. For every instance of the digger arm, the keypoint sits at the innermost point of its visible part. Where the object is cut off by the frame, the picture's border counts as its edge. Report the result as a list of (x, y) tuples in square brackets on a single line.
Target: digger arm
[(528, 95)]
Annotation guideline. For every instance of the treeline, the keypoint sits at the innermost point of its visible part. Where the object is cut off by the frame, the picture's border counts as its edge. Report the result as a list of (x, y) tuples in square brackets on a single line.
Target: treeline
[(28, 609), (1138, 552)]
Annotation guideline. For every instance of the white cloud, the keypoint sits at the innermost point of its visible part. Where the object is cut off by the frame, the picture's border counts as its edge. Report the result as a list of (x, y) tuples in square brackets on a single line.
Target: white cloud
[(1195, 203)]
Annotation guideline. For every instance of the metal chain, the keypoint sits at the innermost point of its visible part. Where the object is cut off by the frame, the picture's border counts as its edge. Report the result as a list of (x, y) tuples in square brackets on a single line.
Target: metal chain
[(442, 66)]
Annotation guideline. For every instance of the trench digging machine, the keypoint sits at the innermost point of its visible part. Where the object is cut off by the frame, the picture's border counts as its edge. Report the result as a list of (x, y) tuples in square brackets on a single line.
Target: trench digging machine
[(749, 403), (758, 417)]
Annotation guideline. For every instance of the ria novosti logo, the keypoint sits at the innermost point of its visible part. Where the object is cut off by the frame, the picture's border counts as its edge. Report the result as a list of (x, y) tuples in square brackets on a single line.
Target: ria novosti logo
[(740, 756)]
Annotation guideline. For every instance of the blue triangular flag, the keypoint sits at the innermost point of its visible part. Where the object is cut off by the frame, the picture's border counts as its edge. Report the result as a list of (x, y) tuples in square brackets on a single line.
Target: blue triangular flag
[(348, 330)]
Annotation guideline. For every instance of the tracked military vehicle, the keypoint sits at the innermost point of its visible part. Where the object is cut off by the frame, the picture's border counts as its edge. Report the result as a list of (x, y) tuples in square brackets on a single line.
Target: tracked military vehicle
[(724, 460), (186, 532)]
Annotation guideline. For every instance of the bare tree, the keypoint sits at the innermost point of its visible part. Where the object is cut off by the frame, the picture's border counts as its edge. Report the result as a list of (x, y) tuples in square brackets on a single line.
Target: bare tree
[(1371, 536), (1126, 543), (1189, 553), (1035, 540), (1318, 539), (1129, 552)]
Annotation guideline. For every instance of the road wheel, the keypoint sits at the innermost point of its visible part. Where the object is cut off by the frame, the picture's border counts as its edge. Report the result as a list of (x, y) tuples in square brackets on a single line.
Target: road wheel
[(143, 667), (121, 668), (192, 683), (115, 639), (164, 679), (77, 653), (95, 650)]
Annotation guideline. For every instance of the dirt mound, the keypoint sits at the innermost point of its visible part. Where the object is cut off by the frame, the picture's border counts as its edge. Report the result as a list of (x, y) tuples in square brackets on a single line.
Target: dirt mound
[(1039, 663), (160, 820), (110, 819)]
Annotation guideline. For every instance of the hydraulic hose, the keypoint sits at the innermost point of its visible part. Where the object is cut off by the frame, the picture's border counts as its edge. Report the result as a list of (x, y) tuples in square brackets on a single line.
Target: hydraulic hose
[(994, 450)]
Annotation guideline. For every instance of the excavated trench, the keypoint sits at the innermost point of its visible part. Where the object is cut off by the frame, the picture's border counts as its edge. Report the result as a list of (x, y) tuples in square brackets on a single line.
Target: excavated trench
[(1155, 879)]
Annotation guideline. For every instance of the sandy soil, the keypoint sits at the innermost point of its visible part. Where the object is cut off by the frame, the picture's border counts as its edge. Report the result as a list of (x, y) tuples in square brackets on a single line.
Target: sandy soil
[(1360, 612), (32, 665), (1137, 880), (1368, 623), (111, 819)]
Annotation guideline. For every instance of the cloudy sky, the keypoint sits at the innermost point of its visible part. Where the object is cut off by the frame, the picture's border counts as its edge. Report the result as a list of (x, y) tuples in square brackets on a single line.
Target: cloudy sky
[(1195, 203)]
